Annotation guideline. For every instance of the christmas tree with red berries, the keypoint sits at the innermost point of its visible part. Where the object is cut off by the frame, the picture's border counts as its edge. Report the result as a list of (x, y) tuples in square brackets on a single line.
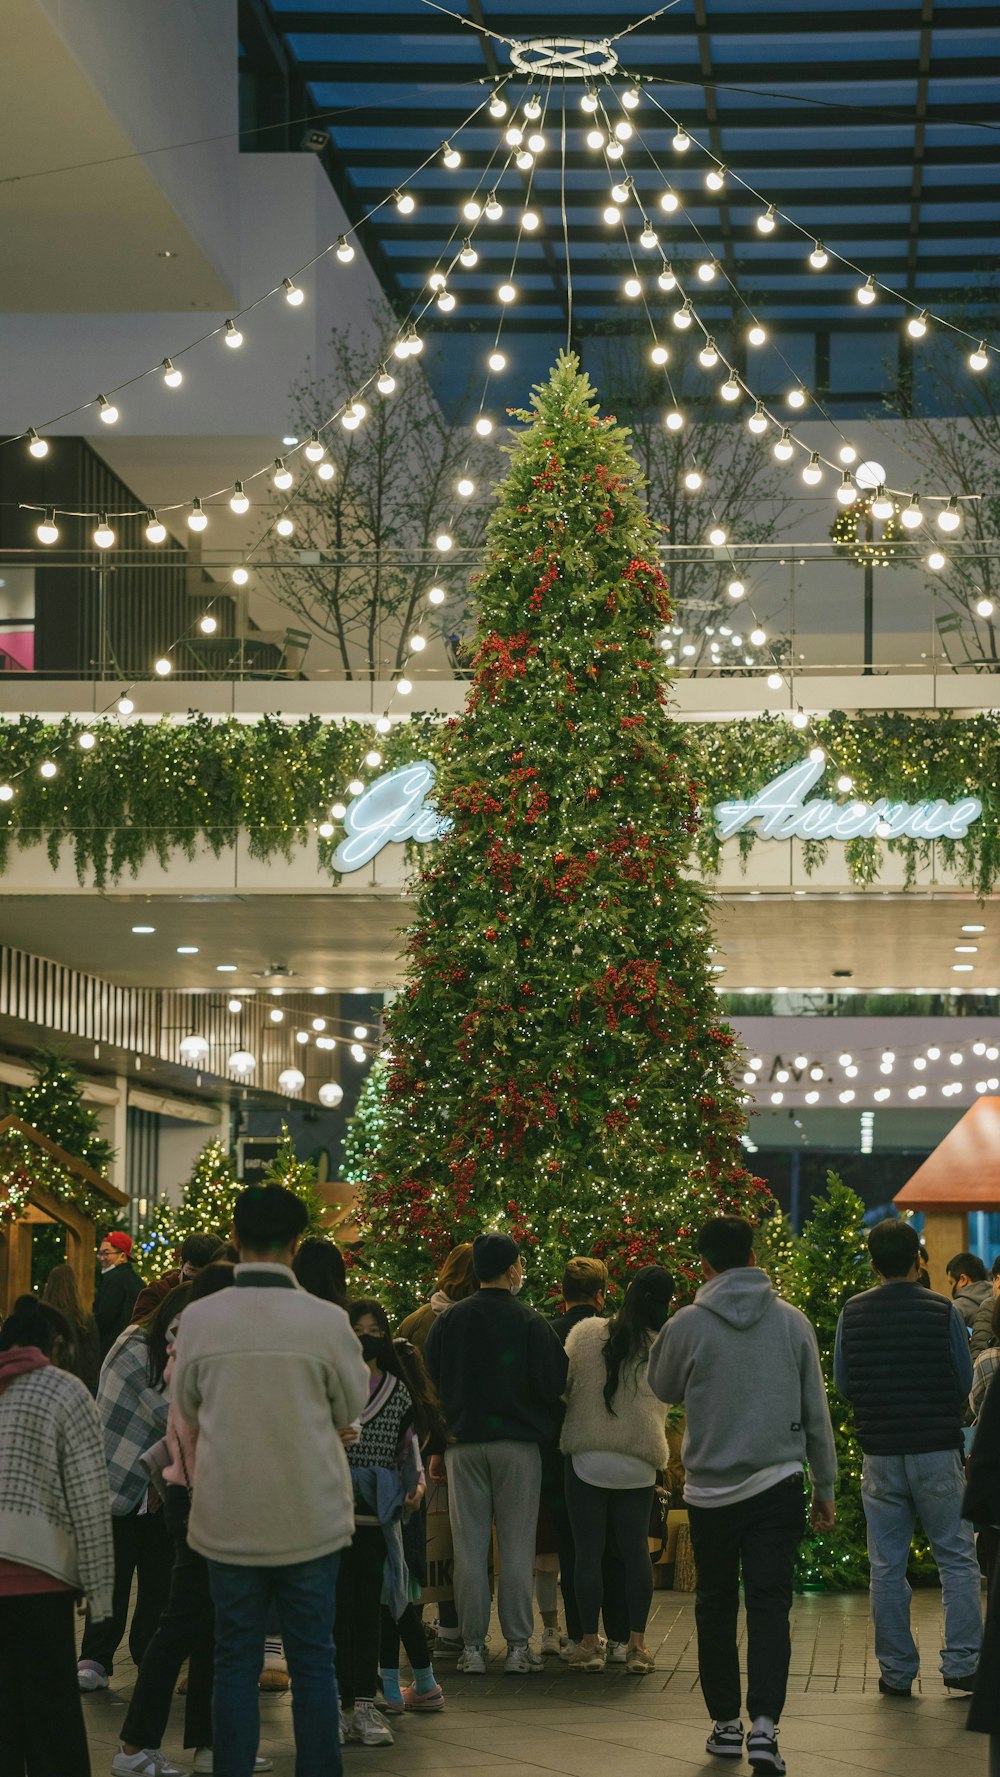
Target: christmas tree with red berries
[(557, 1064)]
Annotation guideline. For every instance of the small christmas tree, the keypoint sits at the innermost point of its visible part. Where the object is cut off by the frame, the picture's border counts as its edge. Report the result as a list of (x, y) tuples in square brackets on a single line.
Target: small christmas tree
[(53, 1104), (206, 1207), (366, 1128), (299, 1176), (558, 1064)]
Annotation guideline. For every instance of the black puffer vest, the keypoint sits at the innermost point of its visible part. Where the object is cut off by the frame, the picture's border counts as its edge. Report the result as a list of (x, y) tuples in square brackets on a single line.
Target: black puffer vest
[(901, 1380)]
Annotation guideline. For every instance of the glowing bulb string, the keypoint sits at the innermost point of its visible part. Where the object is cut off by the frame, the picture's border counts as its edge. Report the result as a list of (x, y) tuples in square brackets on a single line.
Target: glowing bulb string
[(808, 234), (564, 218), (278, 289)]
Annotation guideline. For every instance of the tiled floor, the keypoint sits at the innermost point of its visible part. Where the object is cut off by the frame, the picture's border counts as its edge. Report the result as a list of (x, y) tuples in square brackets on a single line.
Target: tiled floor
[(835, 1722)]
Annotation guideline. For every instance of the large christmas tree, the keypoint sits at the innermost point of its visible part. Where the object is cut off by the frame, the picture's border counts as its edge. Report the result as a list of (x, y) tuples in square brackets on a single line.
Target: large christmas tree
[(53, 1104), (558, 1067)]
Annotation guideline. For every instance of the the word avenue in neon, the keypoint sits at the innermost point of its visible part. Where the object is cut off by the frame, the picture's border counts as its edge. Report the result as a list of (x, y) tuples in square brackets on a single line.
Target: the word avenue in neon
[(781, 812)]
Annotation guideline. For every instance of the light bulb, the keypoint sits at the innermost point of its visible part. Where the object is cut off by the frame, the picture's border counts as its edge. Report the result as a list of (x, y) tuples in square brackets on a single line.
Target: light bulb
[(404, 687), (468, 256), (493, 208), (984, 607), (536, 142), (774, 681), (797, 397), (338, 811), (615, 150), (812, 473), (483, 426), (239, 577), (717, 536), (507, 293), (693, 480), (281, 476), (451, 157), (155, 531), (436, 281), (284, 526), (466, 487), (315, 450), (595, 139), (47, 768), (715, 178), (436, 595), (681, 141), (232, 336), (472, 210), (648, 238), (784, 449), (497, 361), (666, 279), (632, 288), (630, 98), (757, 335), (611, 215), (758, 420), (659, 354), (39, 447), (530, 220), (197, 518), (767, 223), (532, 109), (847, 454), (125, 706), (207, 624), (406, 203), (624, 130), (104, 536), (669, 201), (866, 292), (589, 102), (707, 270), (163, 667), (293, 295), (345, 251), (936, 561), (106, 410), (524, 159), (514, 136), (446, 301), (682, 317), (847, 493), (949, 518), (48, 531), (620, 193), (882, 506), (708, 354), (418, 644), (916, 326), (819, 258), (86, 741), (730, 390), (673, 419), (383, 724), (758, 638), (325, 470), (979, 359), (444, 541), (239, 502), (799, 719), (912, 515)]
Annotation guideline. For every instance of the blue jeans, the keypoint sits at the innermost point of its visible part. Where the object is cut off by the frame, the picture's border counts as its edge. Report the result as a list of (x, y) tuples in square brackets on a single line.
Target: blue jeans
[(305, 1597), (896, 1491)]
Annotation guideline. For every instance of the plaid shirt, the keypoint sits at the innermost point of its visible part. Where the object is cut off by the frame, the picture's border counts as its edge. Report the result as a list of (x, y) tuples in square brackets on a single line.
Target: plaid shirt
[(987, 1365), (133, 1416)]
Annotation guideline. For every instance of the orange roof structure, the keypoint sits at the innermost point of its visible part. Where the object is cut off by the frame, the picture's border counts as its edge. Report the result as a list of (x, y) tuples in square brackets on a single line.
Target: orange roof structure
[(964, 1170)]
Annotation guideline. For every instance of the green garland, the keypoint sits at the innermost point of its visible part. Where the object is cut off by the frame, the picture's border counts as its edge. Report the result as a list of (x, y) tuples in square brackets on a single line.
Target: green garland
[(146, 790), (24, 1167)]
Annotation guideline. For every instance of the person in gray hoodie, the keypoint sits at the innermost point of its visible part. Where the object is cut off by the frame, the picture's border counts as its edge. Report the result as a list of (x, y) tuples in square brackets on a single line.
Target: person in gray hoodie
[(746, 1366)]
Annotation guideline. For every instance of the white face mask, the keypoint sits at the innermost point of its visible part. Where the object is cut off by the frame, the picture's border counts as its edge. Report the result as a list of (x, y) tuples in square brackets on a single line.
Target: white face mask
[(517, 1284)]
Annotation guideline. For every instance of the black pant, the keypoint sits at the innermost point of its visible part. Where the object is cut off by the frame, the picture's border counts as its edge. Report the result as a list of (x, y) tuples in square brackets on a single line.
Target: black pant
[(186, 1628), (761, 1535), (41, 1721), (143, 1550), (614, 1609), (410, 1630), (619, 1517), (359, 1614)]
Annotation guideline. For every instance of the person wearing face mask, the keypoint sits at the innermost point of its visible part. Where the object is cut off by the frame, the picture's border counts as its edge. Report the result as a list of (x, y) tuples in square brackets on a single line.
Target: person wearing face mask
[(500, 1372), (197, 1251), (388, 1480), (613, 1441)]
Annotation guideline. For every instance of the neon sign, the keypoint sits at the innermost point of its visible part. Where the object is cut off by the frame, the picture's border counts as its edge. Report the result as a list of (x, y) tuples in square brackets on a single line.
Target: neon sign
[(395, 808), (781, 812)]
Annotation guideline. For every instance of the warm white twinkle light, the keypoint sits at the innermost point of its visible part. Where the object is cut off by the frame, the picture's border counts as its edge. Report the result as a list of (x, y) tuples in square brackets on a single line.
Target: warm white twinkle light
[(768, 222), (813, 472), (48, 531), (232, 336), (154, 530), (315, 450), (819, 258), (847, 492), (104, 536), (38, 447), (163, 667), (107, 411), (784, 448), (979, 358), (238, 502), (197, 518), (912, 515), (281, 476), (240, 577), (293, 295), (866, 292), (345, 251), (949, 518), (758, 421)]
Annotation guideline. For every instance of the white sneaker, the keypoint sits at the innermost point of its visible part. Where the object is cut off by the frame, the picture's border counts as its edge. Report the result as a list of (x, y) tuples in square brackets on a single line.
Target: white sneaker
[(151, 1762), (551, 1642), (204, 1766), (521, 1657), (568, 1649), (472, 1658), (617, 1653), (91, 1677), (370, 1726), (347, 1734)]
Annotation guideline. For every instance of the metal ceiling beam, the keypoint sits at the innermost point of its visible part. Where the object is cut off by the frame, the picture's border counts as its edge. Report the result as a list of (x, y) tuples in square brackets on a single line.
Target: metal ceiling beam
[(805, 22), (681, 92)]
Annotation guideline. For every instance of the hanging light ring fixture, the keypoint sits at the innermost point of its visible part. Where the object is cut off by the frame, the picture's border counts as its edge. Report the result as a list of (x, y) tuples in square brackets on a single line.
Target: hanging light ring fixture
[(564, 58)]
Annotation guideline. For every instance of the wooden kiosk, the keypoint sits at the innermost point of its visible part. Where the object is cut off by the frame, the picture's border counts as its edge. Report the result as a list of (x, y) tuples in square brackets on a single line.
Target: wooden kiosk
[(43, 1205), (962, 1174)]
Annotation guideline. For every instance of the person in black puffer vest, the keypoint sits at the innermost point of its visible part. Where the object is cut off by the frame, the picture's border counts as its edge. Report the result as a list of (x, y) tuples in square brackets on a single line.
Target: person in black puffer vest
[(902, 1359)]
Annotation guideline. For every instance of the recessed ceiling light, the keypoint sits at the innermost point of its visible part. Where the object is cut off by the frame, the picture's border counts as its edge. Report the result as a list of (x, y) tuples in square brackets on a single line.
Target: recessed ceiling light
[(973, 928), (167, 253), (187, 949), (143, 928), (962, 968), (225, 968), (966, 949)]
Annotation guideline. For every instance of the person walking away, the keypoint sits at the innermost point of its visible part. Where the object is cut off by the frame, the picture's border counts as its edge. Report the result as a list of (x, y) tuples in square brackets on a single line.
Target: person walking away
[(267, 1376), (970, 1286), (456, 1281), (118, 1285), (614, 1440), (746, 1365), (584, 1291), (982, 1326), (981, 1505), (499, 1371), (388, 1479), (55, 1544), (194, 1253), (319, 1267), (985, 1368), (133, 1404), (902, 1359), (62, 1292)]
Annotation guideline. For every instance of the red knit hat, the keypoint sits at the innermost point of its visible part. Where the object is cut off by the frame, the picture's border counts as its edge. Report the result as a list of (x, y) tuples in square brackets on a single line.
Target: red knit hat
[(120, 1241)]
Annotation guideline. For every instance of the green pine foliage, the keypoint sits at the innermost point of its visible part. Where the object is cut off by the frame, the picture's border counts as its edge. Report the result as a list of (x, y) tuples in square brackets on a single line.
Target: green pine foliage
[(53, 1104), (558, 1066), (366, 1128), (206, 1207), (299, 1176)]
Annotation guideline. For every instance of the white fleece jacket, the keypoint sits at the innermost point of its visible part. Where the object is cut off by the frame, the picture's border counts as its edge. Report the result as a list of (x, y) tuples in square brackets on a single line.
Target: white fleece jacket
[(637, 1425), (265, 1374)]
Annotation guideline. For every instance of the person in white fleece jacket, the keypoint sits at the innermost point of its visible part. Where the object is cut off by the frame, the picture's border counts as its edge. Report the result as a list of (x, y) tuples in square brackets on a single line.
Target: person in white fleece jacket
[(746, 1365), (269, 1377)]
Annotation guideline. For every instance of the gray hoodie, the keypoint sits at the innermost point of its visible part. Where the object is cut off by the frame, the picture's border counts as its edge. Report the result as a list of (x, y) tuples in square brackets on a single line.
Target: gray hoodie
[(746, 1365)]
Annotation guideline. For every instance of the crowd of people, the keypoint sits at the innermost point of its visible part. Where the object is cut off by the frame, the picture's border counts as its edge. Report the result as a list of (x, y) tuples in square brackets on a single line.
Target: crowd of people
[(246, 1496)]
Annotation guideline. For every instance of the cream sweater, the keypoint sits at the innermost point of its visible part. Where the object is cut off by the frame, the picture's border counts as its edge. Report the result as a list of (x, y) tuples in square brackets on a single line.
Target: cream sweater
[(265, 1374), (637, 1425)]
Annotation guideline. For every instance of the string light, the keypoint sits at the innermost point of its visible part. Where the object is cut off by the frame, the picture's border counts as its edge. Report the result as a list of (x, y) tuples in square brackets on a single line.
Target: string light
[(758, 421), (669, 201), (106, 410), (882, 506), (978, 357), (405, 202), (916, 326), (493, 209), (207, 624), (315, 450), (767, 223), (325, 470), (48, 531), (468, 256), (707, 270), (797, 397), (812, 473), (386, 381), (444, 541), (847, 454), (819, 258), (949, 518), (595, 139), (86, 741), (239, 501), (984, 607), (708, 356), (730, 390), (715, 178), (232, 336), (912, 515), (125, 706), (530, 220), (648, 238), (784, 448), (673, 419), (293, 295), (936, 561), (484, 425), (666, 279), (866, 292), (163, 667), (757, 335), (197, 517), (498, 106), (681, 141), (345, 251), (281, 475), (284, 525), (38, 447), (104, 536), (507, 293), (659, 354), (472, 209), (47, 768), (240, 577), (847, 492), (155, 531), (683, 317)]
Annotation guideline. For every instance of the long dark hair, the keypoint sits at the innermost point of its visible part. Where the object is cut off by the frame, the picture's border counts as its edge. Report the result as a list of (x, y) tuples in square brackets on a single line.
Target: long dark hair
[(319, 1267), (62, 1292), (31, 1322), (155, 1327), (630, 1332), (403, 1360)]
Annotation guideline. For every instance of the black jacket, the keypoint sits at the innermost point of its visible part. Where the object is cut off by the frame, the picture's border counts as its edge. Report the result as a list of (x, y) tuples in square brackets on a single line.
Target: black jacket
[(562, 1324), (116, 1291), (899, 1370), (982, 1505), (499, 1369)]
